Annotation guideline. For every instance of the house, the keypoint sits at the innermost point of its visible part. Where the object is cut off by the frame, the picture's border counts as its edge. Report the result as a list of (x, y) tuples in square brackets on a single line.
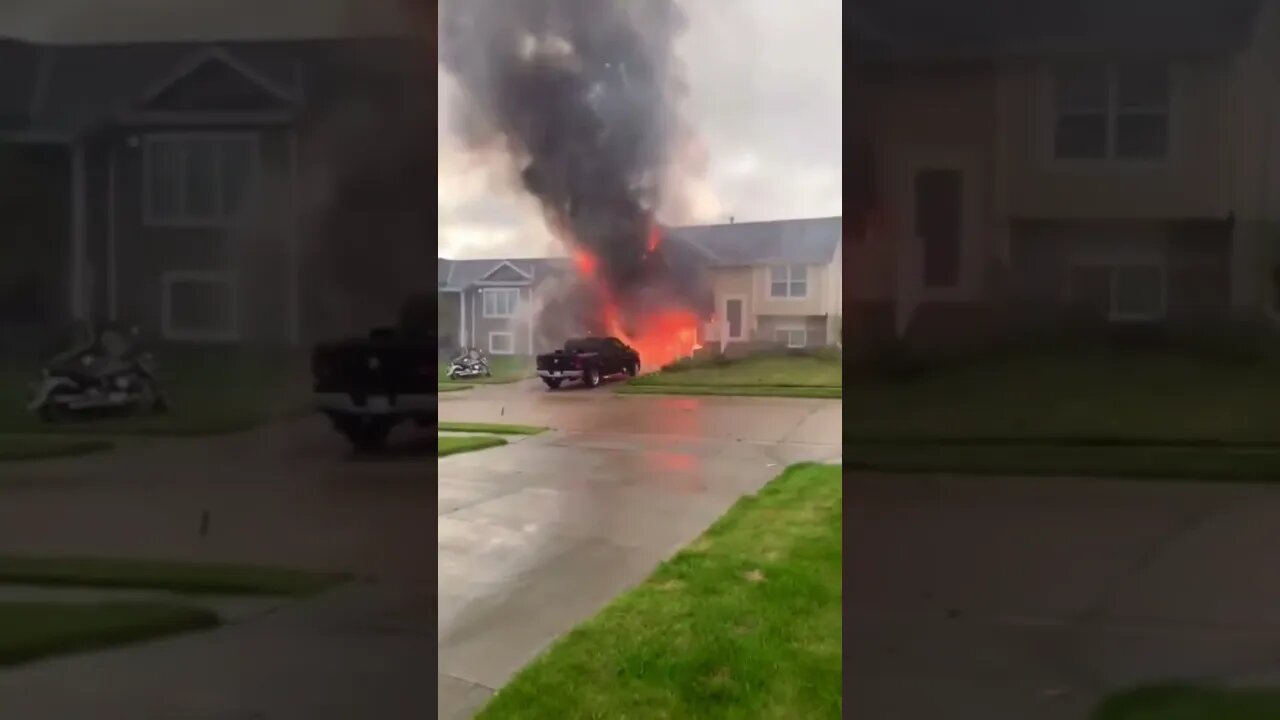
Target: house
[(1119, 158), (779, 281), (166, 183), (490, 303), (775, 282)]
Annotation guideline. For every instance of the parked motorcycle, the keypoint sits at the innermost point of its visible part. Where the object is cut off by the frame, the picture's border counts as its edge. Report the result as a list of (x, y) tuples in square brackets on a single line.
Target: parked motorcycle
[(472, 364), (105, 369)]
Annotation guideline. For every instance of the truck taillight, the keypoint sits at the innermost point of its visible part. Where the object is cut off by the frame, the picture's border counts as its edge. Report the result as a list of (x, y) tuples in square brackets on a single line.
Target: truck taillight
[(577, 362)]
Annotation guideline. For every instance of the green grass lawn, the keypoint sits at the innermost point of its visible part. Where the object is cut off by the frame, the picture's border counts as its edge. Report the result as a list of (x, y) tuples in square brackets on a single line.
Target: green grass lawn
[(452, 387), (1184, 702), (1244, 463), (38, 447), (505, 369), (1091, 394), (452, 445), (494, 428), (178, 577), (744, 623), (210, 391), (34, 630), (741, 390), (756, 372)]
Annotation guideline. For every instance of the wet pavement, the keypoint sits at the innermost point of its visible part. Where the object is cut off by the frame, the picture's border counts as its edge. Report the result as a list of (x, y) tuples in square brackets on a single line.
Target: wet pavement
[(533, 538), (1034, 597)]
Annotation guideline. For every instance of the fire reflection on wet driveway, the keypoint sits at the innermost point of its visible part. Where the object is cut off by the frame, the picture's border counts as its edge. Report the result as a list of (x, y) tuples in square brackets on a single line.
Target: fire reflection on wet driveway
[(537, 536)]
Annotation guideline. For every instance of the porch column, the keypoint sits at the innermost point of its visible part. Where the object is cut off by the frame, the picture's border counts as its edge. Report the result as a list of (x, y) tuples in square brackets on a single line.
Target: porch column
[(79, 237), (462, 318), (295, 284)]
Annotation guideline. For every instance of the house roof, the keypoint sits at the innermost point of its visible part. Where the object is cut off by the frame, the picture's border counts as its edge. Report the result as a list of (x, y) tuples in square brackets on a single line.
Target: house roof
[(65, 90), (984, 29), (808, 241), (462, 274)]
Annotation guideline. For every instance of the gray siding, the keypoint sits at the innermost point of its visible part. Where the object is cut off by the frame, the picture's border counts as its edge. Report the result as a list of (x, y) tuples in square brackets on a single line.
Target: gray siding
[(479, 327), (255, 249)]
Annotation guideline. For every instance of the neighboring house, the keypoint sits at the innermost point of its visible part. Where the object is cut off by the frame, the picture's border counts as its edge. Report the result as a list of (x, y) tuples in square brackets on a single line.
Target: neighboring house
[(1121, 157), (773, 282), (172, 171), (489, 304)]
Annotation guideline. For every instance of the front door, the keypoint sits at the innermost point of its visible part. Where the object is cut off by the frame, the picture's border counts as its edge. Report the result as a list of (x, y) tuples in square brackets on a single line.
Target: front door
[(733, 317)]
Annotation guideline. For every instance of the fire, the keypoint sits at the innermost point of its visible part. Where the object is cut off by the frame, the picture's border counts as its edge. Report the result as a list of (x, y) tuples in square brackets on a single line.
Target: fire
[(660, 337), (655, 237)]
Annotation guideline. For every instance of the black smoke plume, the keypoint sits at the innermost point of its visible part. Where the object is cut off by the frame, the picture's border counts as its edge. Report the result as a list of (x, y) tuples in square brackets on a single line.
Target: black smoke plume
[(584, 93)]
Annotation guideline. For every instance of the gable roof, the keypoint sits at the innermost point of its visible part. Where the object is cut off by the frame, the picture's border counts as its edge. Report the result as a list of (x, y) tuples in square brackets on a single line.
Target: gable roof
[(984, 29), (463, 274), (808, 241), (66, 90)]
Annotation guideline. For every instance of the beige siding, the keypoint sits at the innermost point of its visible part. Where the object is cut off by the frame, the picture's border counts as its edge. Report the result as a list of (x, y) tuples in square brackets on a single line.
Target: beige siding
[(815, 303), (1192, 182)]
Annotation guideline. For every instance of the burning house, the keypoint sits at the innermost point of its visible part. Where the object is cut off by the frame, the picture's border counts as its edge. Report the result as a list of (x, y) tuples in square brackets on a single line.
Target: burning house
[(584, 97)]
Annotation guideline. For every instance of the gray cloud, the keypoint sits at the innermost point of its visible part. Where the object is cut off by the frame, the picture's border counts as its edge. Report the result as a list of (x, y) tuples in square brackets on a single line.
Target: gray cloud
[(765, 94)]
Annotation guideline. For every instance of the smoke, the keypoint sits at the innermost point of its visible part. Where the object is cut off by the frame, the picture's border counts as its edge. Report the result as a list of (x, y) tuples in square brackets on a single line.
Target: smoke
[(584, 94)]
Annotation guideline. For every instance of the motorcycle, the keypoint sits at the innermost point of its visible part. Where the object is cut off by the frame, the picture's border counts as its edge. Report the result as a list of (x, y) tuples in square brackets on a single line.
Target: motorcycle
[(471, 364), (105, 369)]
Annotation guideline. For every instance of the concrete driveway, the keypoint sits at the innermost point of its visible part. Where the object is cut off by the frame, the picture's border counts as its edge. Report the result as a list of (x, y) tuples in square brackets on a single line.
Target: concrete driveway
[(532, 538), (538, 536), (1032, 597)]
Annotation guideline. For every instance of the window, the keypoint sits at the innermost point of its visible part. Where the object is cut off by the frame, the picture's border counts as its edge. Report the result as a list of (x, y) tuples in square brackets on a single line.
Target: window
[(501, 302), (198, 179), (501, 343), (791, 337), (1112, 112), (1120, 292), (789, 281), (200, 307)]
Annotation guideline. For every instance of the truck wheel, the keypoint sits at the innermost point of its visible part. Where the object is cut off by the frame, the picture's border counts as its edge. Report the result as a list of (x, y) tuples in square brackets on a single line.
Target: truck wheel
[(367, 435), (553, 383), (633, 369), (591, 377)]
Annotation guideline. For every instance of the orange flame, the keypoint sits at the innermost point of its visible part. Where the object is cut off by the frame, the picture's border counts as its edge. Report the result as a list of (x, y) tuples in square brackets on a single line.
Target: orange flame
[(660, 337), (655, 237)]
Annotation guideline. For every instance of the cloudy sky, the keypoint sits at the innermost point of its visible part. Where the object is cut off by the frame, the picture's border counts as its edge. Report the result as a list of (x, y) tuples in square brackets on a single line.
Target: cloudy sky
[(765, 97)]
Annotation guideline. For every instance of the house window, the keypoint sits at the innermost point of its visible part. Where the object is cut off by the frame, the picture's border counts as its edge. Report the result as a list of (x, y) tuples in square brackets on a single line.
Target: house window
[(501, 343), (1120, 292), (197, 180), (200, 307), (791, 337), (501, 302), (789, 281), (1118, 112)]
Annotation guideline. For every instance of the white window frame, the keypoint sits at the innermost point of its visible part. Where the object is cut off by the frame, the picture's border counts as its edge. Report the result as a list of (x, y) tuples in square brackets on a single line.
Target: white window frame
[(221, 217), (172, 277), (495, 293), (790, 331), (511, 342), (1113, 278), (791, 280), (1112, 111)]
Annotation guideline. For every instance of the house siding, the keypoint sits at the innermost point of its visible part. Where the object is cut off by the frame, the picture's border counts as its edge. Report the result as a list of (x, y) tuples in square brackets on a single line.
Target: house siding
[(256, 253), (519, 326), (815, 327)]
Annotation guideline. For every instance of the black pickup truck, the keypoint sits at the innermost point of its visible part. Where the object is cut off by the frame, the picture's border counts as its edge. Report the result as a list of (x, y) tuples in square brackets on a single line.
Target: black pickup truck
[(588, 359), (367, 386)]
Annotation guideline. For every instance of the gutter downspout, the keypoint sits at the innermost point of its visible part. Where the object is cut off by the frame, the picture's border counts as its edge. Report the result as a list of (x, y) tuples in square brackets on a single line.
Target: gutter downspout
[(79, 241)]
